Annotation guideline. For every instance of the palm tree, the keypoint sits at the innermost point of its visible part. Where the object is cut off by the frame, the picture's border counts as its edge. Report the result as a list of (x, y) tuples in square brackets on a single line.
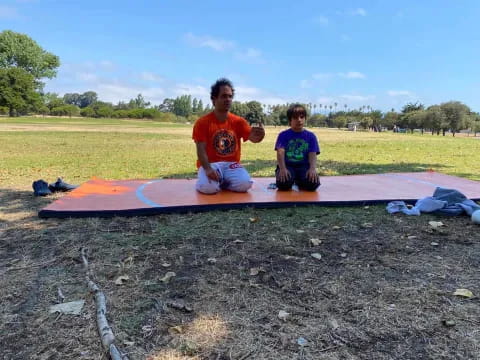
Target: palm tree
[(335, 104)]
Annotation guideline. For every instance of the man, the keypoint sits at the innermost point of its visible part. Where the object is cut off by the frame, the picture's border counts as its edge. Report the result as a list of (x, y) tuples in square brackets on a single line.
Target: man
[(218, 137), (297, 150)]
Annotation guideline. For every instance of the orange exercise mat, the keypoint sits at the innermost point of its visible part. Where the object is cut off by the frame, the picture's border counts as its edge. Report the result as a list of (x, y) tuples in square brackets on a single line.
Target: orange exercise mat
[(147, 197)]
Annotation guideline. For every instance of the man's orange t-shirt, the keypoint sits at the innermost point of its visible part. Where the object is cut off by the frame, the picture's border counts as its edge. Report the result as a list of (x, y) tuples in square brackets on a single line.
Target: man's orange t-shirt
[(222, 139)]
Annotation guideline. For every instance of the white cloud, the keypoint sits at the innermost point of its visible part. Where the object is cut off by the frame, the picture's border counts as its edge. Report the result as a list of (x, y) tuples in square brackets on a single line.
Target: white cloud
[(102, 77), (359, 12), (209, 42), (149, 76), (86, 76), (320, 76), (273, 100), (324, 76), (357, 98), (399, 93), (306, 84), (324, 100), (88, 66), (115, 92), (250, 55), (321, 20), (107, 65), (352, 75), (194, 90), (8, 12), (124, 84), (246, 93)]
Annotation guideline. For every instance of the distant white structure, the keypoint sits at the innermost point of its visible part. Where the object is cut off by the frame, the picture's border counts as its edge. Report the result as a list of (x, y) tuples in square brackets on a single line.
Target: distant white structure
[(353, 126)]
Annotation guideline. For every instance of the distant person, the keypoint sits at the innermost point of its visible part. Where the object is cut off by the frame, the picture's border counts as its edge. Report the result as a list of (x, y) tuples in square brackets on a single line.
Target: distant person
[(218, 137), (297, 150)]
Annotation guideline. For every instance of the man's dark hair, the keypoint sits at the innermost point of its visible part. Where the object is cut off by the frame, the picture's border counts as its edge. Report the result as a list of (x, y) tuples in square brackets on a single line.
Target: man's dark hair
[(296, 110), (215, 89)]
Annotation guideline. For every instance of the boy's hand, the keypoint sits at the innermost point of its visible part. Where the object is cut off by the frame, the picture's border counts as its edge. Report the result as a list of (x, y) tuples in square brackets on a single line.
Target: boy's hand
[(283, 175), (312, 175)]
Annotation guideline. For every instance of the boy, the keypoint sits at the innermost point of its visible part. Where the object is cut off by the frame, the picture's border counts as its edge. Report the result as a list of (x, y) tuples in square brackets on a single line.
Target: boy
[(297, 150)]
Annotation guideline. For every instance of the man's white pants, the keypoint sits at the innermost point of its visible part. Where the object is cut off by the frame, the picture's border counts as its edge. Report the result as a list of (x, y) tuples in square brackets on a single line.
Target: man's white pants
[(233, 177)]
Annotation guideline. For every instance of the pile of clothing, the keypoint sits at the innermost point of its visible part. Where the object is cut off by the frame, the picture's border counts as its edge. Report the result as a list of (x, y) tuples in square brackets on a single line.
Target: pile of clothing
[(443, 201)]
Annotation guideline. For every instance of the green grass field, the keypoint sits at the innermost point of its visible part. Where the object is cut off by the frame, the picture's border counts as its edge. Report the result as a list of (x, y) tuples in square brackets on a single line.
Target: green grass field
[(78, 149)]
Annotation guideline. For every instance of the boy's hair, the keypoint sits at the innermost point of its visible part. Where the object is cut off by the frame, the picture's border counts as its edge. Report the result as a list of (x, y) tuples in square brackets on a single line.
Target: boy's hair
[(215, 89), (296, 110)]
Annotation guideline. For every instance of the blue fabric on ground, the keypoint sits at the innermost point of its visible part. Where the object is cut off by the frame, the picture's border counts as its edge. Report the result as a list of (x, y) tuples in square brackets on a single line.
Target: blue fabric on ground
[(444, 201), (400, 206)]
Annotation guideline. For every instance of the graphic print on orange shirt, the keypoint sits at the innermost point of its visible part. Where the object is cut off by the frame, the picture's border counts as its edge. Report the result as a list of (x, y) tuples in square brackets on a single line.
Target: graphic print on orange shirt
[(224, 142)]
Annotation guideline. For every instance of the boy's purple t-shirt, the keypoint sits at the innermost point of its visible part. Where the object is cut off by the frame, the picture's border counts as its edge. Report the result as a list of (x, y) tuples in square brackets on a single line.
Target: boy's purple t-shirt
[(297, 145)]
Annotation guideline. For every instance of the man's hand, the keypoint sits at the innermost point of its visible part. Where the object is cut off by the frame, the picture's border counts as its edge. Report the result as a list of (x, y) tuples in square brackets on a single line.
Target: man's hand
[(212, 174), (257, 134), (283, 174), (312, 175)]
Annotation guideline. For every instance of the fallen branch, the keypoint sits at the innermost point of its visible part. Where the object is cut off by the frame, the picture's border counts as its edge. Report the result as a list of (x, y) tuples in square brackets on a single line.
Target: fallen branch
[(104, 329), (31, 266)]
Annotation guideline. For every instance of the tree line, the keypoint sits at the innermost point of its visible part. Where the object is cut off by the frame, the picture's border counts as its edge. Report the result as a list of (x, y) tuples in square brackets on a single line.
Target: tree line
[(24, 64)]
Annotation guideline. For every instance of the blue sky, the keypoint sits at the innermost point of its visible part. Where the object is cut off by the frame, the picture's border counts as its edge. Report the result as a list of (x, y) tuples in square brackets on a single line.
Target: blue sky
[(379, 53)]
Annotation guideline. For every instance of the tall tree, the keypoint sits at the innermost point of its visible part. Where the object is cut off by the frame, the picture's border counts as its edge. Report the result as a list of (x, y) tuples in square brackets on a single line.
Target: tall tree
[(194, 105), (412, 107), (17, 91), (390, 119), (239, 109), (255, 112), (200, 106), (72, 99), (166, 105), (138, 103), (455, 113), (88, 98), (182, 105), (435, 119), (52, 100), (377, 117), (277, 115), (475, 123), (19, 50)]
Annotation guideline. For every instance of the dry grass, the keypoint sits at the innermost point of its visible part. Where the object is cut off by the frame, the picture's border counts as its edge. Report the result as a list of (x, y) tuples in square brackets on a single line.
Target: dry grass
[(383, 288), (380, 291)]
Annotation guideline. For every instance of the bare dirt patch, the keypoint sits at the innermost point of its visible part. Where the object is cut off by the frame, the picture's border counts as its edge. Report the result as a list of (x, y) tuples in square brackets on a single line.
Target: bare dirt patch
[(382, 289)]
